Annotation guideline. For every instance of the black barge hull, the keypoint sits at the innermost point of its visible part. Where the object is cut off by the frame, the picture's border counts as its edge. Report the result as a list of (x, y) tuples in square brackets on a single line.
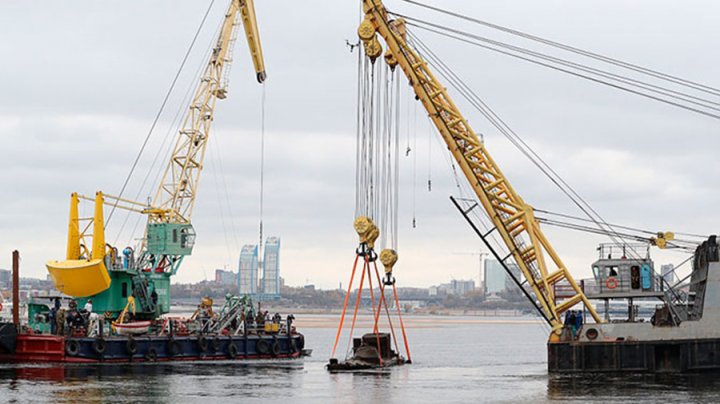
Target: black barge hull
[(635, 356), (50, 348)]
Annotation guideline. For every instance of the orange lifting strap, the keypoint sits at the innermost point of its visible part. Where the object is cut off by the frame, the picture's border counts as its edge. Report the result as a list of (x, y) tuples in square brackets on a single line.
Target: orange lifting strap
[(381, 306)]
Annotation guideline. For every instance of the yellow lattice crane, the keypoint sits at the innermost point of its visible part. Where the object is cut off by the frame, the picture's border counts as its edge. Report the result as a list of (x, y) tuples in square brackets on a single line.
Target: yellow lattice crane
[(513, 218), (145, 275), (175, 197)]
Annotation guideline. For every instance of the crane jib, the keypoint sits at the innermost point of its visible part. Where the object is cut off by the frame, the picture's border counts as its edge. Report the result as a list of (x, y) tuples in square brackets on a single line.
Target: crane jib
[(540, 265)]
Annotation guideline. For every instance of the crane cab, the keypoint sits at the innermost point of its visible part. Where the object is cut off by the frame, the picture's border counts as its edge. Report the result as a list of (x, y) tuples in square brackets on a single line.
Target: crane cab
[(619, 273), (170, 238)]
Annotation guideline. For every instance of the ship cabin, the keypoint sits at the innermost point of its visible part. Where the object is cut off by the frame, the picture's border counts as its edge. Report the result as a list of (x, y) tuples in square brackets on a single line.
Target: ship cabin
[(624, 272)]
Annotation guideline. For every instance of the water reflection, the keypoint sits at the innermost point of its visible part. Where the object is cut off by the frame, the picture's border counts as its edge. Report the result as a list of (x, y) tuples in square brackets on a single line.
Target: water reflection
[(147, 382), (625, 387)]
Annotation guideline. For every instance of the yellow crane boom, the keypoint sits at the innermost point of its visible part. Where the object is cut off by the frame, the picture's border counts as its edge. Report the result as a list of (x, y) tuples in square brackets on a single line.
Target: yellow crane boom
[(513, 218), (175, 196)]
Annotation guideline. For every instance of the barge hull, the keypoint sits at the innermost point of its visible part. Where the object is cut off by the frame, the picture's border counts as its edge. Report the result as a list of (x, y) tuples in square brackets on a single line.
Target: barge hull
[(693, 355), (49, 348)]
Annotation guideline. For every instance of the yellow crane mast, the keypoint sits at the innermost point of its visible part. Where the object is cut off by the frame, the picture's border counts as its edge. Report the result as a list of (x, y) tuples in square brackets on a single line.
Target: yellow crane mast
[(175, 197), (512, 217)]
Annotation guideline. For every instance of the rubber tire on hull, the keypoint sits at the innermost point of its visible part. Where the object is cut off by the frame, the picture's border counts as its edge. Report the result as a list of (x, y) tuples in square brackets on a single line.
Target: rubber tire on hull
[(99, 346), (232, 350), (202, 343), (72, 347), (216, 344), (151, 354), (276, 348), (131, 346), (293, 345), (263, 347), (173, 347)]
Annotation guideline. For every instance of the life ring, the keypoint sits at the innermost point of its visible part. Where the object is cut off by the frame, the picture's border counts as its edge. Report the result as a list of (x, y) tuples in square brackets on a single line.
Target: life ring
[(99, 346), (263, 347), (611, 282), (232, 350), (173, 347), (131, 346), (151, 354), (216, 344), (276, 348), (72, 347), (202, 343)]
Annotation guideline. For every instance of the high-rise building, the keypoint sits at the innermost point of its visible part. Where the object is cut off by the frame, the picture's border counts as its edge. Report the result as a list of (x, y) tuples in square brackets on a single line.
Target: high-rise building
[(271, 268), (494, 277), (248, 270)]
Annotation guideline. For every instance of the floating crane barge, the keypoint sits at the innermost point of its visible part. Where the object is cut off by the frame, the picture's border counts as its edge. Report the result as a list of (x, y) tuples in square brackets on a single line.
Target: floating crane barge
[(236, 332), (118, 302)]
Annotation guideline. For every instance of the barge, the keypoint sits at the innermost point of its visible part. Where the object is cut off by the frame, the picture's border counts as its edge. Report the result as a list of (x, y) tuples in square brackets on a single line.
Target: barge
[(57, 330), (682, 336)]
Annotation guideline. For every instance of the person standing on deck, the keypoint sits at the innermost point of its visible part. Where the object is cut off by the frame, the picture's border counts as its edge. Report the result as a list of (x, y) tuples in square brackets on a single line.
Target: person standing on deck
[(88, 306)]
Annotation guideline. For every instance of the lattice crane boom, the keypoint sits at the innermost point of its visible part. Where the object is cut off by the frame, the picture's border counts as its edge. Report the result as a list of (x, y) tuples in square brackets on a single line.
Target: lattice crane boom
[(512, 217), (175, 197)]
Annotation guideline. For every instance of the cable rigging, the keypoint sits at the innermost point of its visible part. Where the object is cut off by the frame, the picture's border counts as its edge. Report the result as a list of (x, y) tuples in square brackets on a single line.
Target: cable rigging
[(664, 95), (593, 55)]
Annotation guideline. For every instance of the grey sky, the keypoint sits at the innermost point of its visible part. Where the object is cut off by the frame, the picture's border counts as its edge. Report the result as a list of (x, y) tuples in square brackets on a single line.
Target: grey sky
[(82, 81)]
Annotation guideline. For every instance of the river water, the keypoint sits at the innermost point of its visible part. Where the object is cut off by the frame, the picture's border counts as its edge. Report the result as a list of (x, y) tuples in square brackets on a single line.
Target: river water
[(455, 360)]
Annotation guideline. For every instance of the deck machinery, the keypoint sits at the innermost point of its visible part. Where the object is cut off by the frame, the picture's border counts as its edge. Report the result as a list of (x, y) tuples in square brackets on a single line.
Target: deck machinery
[(683, 334)]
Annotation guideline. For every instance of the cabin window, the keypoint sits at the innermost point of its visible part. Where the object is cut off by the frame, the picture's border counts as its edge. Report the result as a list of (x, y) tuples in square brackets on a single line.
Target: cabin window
[(611, 271), (175, 238), (124, 290)]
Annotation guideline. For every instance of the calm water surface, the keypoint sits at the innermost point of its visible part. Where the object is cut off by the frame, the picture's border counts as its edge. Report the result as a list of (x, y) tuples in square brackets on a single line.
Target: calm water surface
[(473, 362)]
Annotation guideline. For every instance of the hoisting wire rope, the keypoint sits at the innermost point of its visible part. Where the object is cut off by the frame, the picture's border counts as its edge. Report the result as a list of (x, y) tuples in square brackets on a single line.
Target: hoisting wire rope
[(475, 40), (262, 170), (616, 62), (159, 113), (504, 129), (215, 174)]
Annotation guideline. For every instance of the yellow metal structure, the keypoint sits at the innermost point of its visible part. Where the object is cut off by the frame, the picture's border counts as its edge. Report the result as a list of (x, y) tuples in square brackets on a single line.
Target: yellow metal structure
[(129, 306), (513, 218), (78, 275), (175, 197)]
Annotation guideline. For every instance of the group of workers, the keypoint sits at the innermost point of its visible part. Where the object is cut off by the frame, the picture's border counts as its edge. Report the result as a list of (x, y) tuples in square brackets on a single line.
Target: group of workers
[(64, 320), (256, 323)]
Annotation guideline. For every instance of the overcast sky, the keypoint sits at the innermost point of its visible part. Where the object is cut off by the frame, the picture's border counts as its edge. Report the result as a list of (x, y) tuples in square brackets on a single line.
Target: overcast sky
[(82, 80)]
